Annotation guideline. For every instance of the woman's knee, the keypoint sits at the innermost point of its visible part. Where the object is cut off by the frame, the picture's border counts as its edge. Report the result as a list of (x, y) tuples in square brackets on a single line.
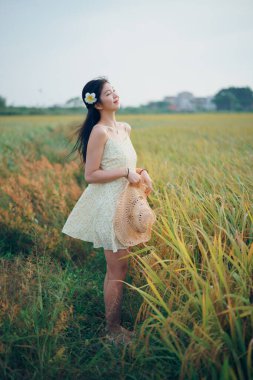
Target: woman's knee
[(118, 271), (117, 264)]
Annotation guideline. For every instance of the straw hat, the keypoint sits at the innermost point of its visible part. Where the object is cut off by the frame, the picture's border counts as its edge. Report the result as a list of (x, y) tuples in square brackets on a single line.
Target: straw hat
[(133, 218)]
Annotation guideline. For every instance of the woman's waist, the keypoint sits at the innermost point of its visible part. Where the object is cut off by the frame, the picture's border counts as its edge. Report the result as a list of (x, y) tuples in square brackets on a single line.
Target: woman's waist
[(115, 183), (130, 165)]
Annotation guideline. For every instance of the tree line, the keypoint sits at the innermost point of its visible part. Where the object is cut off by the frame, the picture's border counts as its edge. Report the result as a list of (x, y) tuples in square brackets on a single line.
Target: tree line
[(235, 99)]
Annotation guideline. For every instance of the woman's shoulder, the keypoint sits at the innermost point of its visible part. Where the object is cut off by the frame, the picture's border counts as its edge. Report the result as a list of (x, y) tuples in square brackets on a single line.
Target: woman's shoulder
[(102, 129), (127, 126), (98, 131)]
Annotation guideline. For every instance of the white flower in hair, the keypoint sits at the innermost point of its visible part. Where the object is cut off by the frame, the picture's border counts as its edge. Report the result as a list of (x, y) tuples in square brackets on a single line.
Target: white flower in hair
[(90, 98)]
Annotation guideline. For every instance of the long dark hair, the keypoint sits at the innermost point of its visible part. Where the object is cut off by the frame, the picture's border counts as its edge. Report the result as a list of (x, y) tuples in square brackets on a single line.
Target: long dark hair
[(92, 117)]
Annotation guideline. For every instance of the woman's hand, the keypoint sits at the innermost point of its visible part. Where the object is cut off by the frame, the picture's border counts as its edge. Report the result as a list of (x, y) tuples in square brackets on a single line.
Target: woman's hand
[(134, 177), (147, 180)]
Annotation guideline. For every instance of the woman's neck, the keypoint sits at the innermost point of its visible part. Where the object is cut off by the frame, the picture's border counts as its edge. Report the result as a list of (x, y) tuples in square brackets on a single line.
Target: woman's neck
[(109, 120)]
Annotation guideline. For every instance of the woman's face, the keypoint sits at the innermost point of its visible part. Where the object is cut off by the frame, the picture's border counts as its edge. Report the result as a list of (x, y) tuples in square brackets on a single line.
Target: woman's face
[(109, 97)]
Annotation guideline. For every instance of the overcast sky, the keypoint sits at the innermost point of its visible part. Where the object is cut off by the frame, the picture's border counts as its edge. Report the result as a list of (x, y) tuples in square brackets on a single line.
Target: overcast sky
[(147, 49)]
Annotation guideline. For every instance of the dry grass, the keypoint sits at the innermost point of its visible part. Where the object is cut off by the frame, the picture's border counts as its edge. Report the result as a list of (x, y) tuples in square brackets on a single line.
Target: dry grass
[(194, 277)]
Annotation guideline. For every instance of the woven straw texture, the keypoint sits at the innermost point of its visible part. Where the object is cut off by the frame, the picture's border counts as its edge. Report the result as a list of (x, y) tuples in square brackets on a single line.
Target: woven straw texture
[(134, 218)]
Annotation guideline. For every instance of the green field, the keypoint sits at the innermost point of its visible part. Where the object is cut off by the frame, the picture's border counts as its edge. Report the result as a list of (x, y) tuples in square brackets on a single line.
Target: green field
[(189, 290)]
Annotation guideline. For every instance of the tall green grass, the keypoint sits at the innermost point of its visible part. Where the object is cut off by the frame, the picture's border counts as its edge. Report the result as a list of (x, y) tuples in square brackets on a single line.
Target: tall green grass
[(189, 290)]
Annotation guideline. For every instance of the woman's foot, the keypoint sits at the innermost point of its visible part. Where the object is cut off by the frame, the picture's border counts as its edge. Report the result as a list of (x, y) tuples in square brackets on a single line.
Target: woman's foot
[(119, 334), (127, 332)]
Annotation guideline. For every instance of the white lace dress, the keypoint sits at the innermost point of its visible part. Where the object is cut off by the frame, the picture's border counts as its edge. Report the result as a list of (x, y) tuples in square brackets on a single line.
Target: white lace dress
[(91, 219)]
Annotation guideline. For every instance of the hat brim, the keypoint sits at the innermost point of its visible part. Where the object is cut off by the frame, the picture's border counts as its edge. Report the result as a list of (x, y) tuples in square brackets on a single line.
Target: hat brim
[(124, 231)]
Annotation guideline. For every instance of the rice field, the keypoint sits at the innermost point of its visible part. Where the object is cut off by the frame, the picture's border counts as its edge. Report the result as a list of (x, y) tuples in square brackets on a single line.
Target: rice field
[(189, 290)]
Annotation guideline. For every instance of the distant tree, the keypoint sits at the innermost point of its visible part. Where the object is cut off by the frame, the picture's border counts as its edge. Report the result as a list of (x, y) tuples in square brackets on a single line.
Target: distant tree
[(74, 102), (232, 98), (2, 102), (244, 96), (225, 100)]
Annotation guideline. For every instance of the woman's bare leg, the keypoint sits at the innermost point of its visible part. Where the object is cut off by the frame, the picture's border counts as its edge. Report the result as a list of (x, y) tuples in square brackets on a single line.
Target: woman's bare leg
[(113, 288)]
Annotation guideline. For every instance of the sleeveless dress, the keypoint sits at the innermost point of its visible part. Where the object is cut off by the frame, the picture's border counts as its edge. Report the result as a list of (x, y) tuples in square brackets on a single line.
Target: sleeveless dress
[(91, 219)]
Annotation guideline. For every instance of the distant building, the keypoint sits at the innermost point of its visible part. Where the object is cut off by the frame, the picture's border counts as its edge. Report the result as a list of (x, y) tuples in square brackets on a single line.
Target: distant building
[(200, 103), (209, 105), (185, 101), (171, 100)]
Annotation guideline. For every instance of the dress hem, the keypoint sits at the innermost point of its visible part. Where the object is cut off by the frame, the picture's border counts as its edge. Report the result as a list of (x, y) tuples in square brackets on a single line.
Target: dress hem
[(94, 246)]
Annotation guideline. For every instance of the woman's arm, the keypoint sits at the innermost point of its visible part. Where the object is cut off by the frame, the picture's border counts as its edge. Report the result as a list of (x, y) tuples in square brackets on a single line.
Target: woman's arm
[(93, 173)]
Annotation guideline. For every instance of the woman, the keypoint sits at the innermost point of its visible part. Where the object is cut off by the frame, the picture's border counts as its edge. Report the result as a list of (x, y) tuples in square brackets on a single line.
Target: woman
[(109, 159)]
